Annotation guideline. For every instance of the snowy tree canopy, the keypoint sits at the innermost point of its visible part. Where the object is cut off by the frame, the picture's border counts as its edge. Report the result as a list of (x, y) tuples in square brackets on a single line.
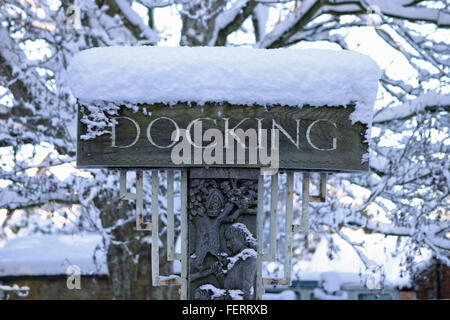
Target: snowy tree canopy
[(405, 194)]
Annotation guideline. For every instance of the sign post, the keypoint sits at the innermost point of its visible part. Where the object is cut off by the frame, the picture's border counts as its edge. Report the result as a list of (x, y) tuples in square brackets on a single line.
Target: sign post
[(223, 150), (224, 118)]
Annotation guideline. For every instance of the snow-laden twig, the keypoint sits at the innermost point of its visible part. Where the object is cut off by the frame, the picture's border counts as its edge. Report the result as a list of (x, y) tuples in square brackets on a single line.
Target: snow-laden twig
[(136, 20), (20, 291), (420, 104)]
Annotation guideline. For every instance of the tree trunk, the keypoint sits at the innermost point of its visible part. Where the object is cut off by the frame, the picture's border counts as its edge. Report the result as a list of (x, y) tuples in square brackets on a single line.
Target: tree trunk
[(129, 254), (198, 22)]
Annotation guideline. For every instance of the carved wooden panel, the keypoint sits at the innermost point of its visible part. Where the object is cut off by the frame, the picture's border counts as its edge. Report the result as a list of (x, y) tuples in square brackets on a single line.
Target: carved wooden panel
[(222, 238)]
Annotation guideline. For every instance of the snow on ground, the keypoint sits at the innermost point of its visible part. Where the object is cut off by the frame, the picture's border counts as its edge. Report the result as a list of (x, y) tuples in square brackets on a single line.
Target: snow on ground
[(284, 295), (51, 255), (347, 263), (226, 74)]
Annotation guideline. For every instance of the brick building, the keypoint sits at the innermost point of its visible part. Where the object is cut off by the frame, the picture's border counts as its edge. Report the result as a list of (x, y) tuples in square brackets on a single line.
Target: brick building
[(42, 264), (434, 282), (54, 287)]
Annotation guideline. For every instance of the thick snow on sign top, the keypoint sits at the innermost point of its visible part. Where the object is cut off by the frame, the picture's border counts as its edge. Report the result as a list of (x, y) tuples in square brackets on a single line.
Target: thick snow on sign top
[(236, 75)]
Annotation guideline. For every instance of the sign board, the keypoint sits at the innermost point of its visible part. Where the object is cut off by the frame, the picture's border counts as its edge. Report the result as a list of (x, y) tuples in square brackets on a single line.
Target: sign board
[(224, 135)]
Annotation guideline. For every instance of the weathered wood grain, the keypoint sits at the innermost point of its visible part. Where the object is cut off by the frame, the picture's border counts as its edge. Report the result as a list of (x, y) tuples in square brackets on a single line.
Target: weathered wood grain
[(335, 123)]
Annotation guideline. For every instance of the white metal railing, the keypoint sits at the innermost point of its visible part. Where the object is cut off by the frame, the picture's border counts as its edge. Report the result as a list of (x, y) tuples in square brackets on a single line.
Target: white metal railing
[(271, 255), (157, 279), (124, 194), (289, 226)]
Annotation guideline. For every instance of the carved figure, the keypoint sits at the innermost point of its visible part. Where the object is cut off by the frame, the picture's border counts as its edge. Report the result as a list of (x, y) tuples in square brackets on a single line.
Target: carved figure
[(236, 273), (241, 268), (207, 240)]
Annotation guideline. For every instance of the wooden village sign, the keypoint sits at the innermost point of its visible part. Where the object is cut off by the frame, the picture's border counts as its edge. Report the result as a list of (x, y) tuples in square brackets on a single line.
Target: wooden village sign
[(218, 153), (310, 139)]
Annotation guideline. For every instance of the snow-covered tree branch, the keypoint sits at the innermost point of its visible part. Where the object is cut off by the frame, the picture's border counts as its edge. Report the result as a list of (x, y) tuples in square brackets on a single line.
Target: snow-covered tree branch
[(15, 289)]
